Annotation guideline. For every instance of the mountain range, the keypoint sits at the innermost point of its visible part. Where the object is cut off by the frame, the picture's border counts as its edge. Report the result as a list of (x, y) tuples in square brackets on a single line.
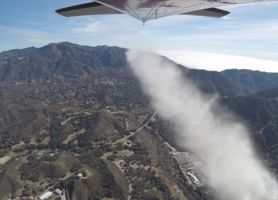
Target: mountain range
[(68, 109)]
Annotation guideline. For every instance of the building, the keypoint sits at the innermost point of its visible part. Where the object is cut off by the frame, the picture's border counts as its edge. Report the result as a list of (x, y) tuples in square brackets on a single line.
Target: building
[(80, 175), (59, 192), (46, 195)]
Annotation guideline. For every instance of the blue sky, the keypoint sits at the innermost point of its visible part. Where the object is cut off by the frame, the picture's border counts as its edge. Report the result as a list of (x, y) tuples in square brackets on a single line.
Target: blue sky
[(250, 31)]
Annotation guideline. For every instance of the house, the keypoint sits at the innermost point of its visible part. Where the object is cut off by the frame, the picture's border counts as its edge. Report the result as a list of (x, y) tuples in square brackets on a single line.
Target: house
[(80, 176), (46, 195), (59, 192)]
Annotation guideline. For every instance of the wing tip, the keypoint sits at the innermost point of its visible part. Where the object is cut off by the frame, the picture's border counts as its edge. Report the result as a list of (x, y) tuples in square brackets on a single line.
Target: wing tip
[(64, 11), (59, 11), (210, 12)]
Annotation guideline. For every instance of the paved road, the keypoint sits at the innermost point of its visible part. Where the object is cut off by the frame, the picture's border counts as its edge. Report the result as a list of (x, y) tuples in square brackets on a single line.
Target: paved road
[(136, 131)]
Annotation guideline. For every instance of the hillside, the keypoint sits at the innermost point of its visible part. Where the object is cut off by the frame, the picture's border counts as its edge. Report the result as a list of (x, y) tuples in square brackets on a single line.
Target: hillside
[(68, 109), (249, 82), (271, 93)]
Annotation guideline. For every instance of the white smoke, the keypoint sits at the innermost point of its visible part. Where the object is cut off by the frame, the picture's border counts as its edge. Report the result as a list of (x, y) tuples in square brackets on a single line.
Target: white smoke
[(230, 163)]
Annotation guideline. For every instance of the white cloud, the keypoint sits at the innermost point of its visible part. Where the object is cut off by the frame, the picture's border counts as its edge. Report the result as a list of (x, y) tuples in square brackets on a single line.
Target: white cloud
[(264, 31), (218, 62), (36, 37), (218, 139), (91, 27)]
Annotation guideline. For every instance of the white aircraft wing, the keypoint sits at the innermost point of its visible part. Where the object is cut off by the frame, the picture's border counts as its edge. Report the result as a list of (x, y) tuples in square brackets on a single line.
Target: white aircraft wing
[(146, 10), (210, 12), (92, 8)]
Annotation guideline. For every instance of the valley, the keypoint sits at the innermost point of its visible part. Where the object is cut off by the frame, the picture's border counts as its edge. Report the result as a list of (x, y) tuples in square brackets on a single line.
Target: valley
[(68, 110)]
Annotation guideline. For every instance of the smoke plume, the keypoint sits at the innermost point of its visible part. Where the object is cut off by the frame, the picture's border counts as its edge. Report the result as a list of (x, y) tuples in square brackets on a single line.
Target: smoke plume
[(229, 161)]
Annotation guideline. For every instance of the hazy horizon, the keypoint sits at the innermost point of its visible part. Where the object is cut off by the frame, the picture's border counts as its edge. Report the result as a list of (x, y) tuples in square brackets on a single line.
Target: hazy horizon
[(249, 31), (210, 61)]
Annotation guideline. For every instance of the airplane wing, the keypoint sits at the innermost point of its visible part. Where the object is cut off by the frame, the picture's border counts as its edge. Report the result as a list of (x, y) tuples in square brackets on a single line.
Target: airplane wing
[(92, 8), (145, 10), (210, 12)]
